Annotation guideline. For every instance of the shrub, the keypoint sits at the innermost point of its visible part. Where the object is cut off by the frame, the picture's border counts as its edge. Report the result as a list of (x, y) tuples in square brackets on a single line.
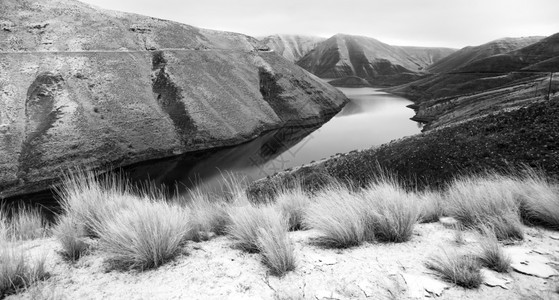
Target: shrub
[(463, 270), (392, 212), (492, 255), (17, 270), (486, 201), (340, 216), (71, 235), (277, 251), (144, 235), (206, 216), (292, 204)]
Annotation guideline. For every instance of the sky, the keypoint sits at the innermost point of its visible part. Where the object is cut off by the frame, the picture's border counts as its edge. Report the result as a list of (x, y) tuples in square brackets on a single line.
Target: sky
[(442, 23)]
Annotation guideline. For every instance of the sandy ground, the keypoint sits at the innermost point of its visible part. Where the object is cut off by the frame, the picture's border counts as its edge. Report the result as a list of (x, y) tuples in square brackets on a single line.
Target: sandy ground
[(215, 270)]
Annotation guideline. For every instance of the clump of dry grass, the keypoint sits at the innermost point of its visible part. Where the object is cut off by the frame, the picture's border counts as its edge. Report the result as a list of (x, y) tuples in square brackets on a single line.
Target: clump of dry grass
[(136, 232), (90, 198), (492, 255), (430, 206), (538, 199), (24, 223), (463, 270), (392, 211), (293, 204), (206, 215), (261, 229), (277, 250), (340, 216), (71, 235), (17, 270), (478, 201), (145, 235)]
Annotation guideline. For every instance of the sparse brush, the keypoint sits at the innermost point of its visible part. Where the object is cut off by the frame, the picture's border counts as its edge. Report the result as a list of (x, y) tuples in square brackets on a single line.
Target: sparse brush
[(538, 200), (277, 251), (492, 255), (71, 235), (292, 204), (340, 217), (430, 204), (145, 235), (17, 270), (463, 270), (392, 212), (486, 201), (206, 216)]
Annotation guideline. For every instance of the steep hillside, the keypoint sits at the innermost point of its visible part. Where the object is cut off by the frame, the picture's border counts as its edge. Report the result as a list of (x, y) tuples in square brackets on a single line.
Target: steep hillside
[(467, 55), (85, 86), (291, 47), (345, 55)]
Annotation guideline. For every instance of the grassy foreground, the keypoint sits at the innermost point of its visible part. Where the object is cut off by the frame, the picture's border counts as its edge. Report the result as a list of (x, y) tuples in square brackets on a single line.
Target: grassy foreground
[(138, 230)]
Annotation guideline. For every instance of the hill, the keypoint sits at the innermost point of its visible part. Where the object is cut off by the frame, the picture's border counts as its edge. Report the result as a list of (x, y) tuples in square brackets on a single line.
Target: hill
[(82, 86), (469, 54), (501, 81), (291, 47), (346, 55)]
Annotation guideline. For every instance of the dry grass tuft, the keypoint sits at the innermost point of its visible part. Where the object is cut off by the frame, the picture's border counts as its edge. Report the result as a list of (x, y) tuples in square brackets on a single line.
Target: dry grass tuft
[(463, 270), (340, 216), (17, 270), (486, 201), (392, 212), (207, 216), (262, 229), (277, 251), (23, 223), (293, 204), (430, 206), (145, 235), (71, 235), (492, 255), (538, 200)]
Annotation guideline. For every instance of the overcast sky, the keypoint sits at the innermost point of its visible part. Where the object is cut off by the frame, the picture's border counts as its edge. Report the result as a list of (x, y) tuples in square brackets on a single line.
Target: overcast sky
[(449, 23)]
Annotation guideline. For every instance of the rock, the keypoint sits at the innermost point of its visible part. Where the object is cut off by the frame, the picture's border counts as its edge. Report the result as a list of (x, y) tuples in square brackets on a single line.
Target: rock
[(449, 222), (93, 104), (492, 279), (420, 286), (537, 269)]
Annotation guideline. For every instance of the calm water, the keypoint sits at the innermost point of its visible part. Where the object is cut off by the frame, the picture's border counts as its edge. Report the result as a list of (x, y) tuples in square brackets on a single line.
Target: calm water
[(371, 118)]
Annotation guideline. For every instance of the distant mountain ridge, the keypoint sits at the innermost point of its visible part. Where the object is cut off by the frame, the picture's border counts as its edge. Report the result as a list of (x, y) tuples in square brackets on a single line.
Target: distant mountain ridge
[(346, 55), (292, 47), (470, 54)]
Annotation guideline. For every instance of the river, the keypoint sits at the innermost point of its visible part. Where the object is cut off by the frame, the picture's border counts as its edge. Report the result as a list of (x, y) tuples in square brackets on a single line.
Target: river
[(371, 118)]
